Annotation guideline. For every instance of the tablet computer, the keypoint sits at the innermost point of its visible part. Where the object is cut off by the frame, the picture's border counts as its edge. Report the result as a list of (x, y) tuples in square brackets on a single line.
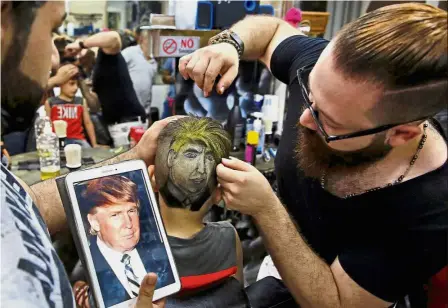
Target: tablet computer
[(120, 231)]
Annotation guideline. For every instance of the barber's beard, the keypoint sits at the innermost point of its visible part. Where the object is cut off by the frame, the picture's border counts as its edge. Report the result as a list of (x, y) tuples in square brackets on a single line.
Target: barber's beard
[(20, 97), (315, 156)]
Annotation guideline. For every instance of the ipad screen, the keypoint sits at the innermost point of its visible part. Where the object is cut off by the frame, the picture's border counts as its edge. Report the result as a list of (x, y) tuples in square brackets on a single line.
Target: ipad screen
[(124, 237)]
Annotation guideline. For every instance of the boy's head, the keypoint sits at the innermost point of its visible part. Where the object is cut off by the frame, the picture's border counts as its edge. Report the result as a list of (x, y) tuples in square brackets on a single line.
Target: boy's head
[(188, 151), (70, 87)]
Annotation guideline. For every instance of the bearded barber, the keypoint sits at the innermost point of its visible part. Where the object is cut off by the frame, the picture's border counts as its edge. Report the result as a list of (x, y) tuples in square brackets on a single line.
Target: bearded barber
[(361, 166)]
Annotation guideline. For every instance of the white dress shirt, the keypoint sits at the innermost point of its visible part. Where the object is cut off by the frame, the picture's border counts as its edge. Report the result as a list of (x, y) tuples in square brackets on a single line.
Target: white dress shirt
[(114, 258)]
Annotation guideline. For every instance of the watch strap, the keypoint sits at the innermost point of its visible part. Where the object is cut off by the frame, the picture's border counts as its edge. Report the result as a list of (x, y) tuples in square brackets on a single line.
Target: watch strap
[(229, 37)]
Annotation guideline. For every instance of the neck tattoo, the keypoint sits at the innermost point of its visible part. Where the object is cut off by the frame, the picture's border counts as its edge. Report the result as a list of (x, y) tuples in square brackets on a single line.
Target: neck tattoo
[(400, 178)]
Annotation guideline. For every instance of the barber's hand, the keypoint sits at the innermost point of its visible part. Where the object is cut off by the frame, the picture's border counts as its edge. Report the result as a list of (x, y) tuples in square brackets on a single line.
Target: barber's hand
[(147, 146), (244, 188), (73, 49), (146, 293), (65, 73), (205, 64)]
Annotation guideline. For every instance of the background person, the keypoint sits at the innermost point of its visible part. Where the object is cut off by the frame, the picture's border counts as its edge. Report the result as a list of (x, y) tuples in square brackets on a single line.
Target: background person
[(370, 204), (112, 83), (73, 110), (142, 68)]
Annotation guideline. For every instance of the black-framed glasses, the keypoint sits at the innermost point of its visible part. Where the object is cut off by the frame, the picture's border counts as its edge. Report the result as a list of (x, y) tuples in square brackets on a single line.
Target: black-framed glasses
[(328, 138)]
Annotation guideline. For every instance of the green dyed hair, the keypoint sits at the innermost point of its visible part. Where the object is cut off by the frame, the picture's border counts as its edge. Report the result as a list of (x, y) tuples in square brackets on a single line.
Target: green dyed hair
[(193, 129)]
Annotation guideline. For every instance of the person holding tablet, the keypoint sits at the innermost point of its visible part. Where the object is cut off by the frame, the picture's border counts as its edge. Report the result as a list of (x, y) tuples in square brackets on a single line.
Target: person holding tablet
[(30, 214)]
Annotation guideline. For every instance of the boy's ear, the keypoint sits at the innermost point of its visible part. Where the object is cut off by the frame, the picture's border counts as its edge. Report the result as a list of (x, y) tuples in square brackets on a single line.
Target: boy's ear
[(152, 177)]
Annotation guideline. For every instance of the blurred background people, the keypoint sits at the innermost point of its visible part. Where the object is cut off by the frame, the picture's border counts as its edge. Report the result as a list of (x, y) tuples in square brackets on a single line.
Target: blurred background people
[(112, 82), (142, 68), (73, 110)]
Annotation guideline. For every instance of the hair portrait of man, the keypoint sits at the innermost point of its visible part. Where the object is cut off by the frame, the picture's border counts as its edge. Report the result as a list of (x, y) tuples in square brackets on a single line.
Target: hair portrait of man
[(189, 150)]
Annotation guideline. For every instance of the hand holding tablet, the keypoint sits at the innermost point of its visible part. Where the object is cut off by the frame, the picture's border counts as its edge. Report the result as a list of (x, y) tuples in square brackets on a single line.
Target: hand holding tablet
[(121, 235)]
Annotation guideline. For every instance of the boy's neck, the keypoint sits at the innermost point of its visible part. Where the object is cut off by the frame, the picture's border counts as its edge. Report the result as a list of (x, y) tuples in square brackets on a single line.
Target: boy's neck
[(181, 223), (65, 97)]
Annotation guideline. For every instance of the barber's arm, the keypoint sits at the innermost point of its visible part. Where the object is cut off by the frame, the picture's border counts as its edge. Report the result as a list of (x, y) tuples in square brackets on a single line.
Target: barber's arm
[(260, 35), (310, 280), (46, 196), (109, 42)]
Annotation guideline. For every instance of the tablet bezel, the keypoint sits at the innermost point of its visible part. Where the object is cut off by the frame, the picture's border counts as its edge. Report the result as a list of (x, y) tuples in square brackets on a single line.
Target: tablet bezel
[(93, 173)]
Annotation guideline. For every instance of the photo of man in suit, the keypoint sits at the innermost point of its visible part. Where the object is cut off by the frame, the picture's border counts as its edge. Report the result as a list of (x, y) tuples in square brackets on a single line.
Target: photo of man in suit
[(120, 254)]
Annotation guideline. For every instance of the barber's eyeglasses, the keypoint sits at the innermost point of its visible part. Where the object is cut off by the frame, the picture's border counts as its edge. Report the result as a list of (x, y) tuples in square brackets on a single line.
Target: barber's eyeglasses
[(302, 74)]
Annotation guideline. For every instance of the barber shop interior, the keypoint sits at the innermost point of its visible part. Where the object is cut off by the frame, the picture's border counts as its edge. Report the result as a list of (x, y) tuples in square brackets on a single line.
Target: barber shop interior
[(186, 153)]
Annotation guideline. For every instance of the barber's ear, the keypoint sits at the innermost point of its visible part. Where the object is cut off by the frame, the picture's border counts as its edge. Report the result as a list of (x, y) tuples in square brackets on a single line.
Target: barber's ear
[(402, 134), (171, 156), (152, 177), (93, 222)]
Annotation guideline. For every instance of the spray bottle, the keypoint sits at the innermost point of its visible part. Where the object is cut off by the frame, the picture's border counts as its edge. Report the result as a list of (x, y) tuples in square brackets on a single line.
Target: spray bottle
[(259, 128)]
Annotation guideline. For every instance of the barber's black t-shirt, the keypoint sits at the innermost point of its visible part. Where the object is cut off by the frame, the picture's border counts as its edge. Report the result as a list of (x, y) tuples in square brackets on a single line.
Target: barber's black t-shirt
[(113, 85), (389, 241)]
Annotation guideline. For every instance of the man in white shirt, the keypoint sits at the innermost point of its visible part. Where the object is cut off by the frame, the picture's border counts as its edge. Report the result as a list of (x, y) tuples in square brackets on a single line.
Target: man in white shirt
[(142, 68), (120, 254)]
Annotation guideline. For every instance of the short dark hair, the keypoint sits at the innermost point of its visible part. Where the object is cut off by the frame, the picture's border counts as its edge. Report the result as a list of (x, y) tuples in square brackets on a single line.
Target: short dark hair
[(403, 49), (61, 42)]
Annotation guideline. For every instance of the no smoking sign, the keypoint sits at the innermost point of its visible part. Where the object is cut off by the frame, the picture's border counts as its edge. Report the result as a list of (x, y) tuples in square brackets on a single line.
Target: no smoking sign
[(178, 46), (169, 46)]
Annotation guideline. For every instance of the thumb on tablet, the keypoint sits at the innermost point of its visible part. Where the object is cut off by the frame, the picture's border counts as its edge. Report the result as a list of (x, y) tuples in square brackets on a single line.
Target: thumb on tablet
[(146, 293)]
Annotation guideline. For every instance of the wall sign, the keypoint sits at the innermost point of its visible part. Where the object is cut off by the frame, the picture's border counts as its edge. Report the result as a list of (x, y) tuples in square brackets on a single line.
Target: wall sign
[(178, 46)]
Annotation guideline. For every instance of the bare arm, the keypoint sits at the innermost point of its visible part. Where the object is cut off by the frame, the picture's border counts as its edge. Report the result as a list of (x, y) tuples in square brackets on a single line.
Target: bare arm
[(46, 196), (260, 34), (109, 42), (89, 125), (90, 97)]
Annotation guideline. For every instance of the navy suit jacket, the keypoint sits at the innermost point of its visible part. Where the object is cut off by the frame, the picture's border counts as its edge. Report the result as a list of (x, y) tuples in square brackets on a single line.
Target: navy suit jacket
[(154, 258)]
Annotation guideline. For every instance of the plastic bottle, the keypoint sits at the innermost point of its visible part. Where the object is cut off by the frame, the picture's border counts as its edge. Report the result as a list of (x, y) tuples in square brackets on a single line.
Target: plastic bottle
[(40, 122), (249, 124), (48, 151), (250, 154), (259, 128), (235, 125)]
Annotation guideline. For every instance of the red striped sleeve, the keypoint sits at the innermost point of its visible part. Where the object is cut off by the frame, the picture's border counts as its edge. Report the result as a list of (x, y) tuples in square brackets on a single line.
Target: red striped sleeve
[(197, 281)]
